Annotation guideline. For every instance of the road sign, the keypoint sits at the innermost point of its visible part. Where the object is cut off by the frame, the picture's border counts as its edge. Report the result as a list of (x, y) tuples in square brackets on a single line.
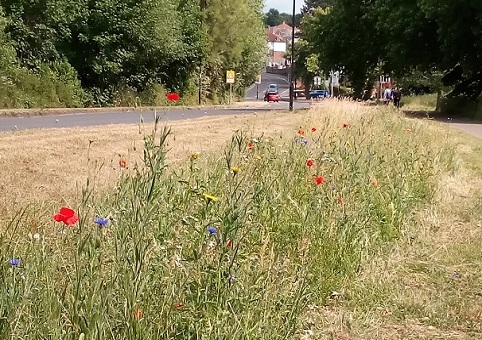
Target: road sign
[(258, 79), (317, 81), (230, 76), (335, 78)]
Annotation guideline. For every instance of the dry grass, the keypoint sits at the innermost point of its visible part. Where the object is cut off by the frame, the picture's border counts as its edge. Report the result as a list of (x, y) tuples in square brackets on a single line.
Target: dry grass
[(428, 285), (408, 292), (52, 165)]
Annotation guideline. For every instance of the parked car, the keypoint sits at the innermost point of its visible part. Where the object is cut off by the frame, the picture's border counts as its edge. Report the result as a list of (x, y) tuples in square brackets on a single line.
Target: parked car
[(319, 94), (272, 96)]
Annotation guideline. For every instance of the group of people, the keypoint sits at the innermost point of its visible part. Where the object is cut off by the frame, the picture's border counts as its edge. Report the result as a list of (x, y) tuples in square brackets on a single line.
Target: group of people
[(395, 95)]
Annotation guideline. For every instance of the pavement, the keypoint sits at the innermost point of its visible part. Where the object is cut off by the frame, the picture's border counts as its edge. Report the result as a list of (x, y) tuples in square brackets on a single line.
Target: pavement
[(473, 128), (470, 126)]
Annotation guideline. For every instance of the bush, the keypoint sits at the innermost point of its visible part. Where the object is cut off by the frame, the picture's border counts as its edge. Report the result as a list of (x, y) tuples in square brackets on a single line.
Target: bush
[(56, 85), (462, 107)]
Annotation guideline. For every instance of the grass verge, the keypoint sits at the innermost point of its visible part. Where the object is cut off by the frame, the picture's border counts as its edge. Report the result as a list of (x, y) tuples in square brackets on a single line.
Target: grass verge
[(427, 102), (276, 237)]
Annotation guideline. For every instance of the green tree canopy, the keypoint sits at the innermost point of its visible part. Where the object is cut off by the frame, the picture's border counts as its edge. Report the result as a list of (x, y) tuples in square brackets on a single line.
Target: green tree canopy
[(274, 18), (363, 38), (124, 45)]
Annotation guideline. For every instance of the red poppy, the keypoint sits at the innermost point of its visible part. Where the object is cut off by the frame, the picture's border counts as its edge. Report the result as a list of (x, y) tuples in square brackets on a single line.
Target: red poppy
[(301, 132), (229, 244), (138, 314), (310, 163), (173, 97), (67, 216), (313, 129), (251, 145), (340, 200), (375, 183), (122, 163), (319, 180), (179, 306), (345, 125)]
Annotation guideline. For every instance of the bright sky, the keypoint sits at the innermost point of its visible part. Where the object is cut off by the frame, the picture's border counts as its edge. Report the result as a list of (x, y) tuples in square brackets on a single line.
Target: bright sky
[(283, 6)]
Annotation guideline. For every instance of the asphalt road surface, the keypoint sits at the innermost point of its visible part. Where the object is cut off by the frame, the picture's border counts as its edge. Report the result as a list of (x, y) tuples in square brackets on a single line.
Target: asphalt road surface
[(111, 116), (473, 128), (133, 117), (266, 79)]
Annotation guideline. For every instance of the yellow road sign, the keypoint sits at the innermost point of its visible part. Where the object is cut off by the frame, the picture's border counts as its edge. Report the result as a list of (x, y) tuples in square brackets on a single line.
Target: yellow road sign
[(230, 76)]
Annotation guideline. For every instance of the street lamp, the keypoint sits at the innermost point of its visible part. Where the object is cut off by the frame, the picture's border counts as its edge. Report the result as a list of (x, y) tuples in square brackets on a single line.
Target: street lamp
[(292, 69)]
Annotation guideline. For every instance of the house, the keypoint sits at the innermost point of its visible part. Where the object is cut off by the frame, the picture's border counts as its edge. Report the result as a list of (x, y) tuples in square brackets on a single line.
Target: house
[(279, 40)]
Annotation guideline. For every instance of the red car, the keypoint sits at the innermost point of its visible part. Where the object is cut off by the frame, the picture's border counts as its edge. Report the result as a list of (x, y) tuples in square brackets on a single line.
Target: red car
[(272, 97)]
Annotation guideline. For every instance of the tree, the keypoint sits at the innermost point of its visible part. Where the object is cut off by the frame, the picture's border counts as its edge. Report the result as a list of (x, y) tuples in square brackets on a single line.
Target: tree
[(310, 5), (275, 18), (272, 18), (346, 38), (459, 24), (228, 48), (126, 46), (422, 37)]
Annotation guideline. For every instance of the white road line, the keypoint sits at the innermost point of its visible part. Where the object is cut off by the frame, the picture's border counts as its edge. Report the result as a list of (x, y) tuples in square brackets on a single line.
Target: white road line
[(280, 78)]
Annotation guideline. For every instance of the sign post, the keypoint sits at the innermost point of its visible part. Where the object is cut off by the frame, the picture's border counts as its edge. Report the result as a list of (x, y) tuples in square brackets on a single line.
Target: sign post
[(230, 77), (317, 81), (258, 81)]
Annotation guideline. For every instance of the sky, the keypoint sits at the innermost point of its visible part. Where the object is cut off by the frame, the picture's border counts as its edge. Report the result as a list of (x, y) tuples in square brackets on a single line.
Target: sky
[(285, 6)]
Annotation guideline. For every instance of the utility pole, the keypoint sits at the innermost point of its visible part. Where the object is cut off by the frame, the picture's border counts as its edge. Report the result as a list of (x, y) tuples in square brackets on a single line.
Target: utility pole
[(332, 74), (292, 69), (200, 84), (202, 6)]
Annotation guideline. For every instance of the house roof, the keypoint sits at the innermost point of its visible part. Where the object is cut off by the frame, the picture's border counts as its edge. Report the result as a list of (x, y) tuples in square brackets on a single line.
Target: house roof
[(273, 37), (282, 31), (282, 26)]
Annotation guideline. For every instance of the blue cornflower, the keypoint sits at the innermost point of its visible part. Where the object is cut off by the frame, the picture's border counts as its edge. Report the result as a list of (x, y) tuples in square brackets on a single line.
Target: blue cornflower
[(14, 262), (212, 230), (101, 222), (304, 141), (296, 140)]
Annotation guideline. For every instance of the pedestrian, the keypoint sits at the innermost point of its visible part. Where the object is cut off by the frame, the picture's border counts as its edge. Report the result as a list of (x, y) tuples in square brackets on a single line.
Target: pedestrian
[(387, 95), (397, 96)]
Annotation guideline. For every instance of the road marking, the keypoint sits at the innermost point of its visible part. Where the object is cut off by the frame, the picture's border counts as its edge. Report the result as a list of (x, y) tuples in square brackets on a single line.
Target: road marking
[(251, 87), (284, 92), (281, 78)]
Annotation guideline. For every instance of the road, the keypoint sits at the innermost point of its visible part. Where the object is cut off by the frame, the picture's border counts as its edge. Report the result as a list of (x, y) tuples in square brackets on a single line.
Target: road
[(111, 116), (473, 128), (266, 79), (133, 117)]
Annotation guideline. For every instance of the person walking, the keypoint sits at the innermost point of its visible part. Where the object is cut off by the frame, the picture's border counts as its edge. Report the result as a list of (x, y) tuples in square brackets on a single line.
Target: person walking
[(387, 95), (397, 96)]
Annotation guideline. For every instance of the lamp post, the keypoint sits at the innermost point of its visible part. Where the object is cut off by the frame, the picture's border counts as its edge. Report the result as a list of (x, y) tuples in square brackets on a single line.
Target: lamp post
[(292, 69)]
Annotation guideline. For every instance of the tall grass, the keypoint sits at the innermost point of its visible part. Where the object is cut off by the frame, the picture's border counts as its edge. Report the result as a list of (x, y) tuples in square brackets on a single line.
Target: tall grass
[(426, 102), (227, 247)]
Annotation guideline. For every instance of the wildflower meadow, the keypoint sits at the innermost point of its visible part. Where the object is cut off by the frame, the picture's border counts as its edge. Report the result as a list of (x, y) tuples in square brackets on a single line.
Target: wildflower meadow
[(228, 245)]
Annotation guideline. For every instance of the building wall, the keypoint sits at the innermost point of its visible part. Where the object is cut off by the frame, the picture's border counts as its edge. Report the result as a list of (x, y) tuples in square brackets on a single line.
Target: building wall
[(279, 47)]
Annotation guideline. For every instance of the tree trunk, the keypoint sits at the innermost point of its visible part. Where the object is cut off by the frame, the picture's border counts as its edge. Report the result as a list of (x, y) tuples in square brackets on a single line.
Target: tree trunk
[(439, 95)]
